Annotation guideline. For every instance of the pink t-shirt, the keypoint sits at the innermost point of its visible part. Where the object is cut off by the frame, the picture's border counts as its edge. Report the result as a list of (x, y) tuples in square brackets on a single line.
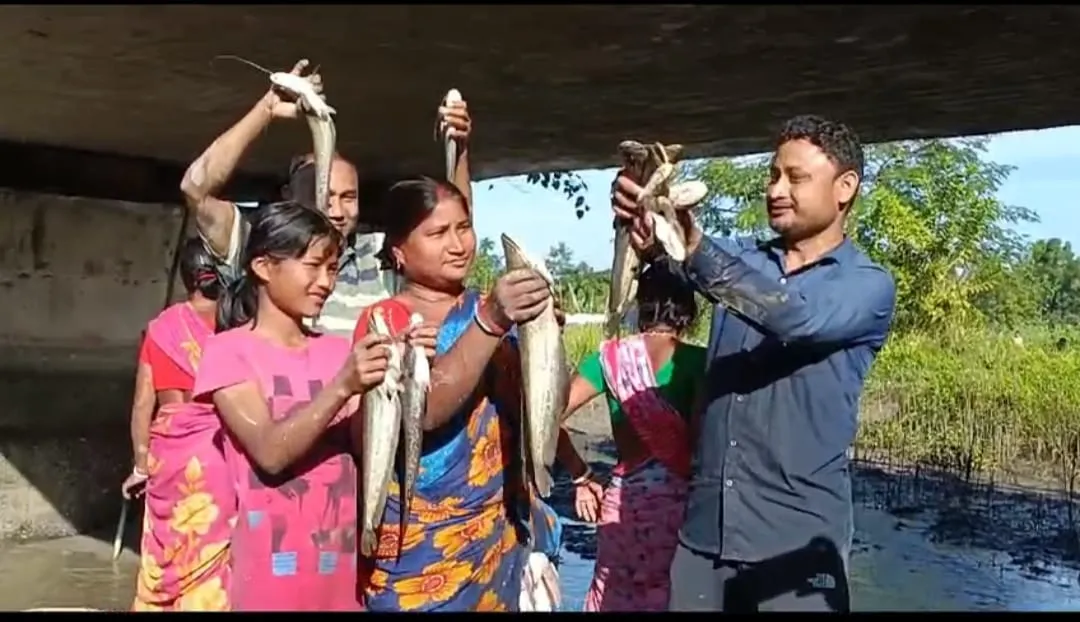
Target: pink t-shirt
[(294, 544)]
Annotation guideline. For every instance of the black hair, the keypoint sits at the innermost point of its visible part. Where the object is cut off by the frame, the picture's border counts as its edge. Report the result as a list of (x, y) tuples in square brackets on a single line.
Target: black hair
[(405, 205), (283, 230), (663, 299), (838, 141), (300, 185), (198, 270)]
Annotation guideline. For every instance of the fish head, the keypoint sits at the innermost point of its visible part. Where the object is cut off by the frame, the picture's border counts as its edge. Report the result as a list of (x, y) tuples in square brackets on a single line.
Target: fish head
[(688, 194), (517, 258)]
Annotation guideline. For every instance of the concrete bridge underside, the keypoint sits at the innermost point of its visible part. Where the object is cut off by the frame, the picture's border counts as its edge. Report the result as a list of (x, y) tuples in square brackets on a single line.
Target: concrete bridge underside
[(551, 87), (104, 107)]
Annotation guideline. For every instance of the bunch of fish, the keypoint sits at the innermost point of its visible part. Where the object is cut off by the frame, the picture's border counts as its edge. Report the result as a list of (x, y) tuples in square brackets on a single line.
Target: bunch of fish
[(544, 375), (392, 411), (652, 167)]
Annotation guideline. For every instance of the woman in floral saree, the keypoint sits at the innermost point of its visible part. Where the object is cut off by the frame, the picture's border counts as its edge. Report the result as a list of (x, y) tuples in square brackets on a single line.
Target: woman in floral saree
[(468, 533), (189, 498)]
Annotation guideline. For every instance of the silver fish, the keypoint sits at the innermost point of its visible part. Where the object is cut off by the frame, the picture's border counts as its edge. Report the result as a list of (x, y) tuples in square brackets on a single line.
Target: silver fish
[(382, 427), (652, 167), (544, 375), (324, 138), (416, 378), (449, 144)]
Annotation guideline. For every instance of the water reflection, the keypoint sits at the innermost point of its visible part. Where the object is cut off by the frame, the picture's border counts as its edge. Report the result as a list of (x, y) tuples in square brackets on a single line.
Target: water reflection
[(920, 545)]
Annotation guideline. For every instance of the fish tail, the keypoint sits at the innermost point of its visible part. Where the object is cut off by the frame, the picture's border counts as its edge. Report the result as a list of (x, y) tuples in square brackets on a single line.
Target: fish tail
[(369, 542), (542, 479), (611, 326)]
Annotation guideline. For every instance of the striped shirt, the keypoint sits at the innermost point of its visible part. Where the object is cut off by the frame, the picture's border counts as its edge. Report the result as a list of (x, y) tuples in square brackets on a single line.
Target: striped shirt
[(360, 282)]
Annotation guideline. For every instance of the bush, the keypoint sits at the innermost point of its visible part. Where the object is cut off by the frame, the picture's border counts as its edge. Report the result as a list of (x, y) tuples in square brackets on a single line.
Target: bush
[(973, 401)]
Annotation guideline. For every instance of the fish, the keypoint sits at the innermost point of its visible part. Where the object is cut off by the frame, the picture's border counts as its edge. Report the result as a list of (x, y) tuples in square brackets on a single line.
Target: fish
[(653, 167), (450, 144), (415, 381), (324, 139), (544, 373), (382, 429)]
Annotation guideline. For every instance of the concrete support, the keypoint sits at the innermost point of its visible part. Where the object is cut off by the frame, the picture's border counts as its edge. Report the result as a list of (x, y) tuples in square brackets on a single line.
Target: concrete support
[(79, 279)]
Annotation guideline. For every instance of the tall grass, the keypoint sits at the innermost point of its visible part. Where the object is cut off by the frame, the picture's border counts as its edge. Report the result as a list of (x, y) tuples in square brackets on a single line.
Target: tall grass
[(973, 401)]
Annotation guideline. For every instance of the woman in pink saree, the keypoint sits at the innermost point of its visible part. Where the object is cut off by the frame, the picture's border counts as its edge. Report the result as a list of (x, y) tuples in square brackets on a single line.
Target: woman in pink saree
[(649, 380), (189, 498)]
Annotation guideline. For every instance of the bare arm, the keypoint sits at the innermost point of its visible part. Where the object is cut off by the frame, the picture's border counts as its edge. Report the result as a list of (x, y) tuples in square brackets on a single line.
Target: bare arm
[(142, 413), (456, 374), (581, 393), (462, 176), (274, 445), (209, 172)]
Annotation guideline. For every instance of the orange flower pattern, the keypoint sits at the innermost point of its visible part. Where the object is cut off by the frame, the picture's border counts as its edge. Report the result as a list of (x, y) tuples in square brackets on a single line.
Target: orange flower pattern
[(464, 553), (184, 564)]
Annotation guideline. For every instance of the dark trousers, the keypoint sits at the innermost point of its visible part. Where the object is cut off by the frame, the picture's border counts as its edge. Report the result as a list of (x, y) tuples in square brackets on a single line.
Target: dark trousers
[(809, 580)]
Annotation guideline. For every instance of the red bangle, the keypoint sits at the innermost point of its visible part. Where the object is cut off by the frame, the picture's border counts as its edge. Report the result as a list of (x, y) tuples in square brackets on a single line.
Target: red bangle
[(489, 328)]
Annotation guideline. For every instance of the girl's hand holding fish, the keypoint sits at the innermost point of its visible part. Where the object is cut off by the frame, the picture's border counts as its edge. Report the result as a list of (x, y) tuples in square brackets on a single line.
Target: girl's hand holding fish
[(367, 363)]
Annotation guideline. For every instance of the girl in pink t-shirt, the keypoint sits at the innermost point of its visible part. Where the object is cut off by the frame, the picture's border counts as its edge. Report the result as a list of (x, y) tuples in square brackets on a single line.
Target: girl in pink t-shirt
[(284, 394)]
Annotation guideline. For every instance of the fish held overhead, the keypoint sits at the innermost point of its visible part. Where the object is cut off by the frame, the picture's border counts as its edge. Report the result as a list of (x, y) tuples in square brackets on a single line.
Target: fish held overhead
[(545, 377), (653, 167)]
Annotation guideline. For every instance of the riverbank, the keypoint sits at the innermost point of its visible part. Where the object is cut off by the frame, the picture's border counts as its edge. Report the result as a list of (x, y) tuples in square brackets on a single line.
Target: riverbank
[(1032, 527)]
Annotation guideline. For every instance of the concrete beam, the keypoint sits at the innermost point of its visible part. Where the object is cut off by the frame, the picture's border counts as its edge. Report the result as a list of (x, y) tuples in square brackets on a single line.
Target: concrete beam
[(550, 86), (77, 173)]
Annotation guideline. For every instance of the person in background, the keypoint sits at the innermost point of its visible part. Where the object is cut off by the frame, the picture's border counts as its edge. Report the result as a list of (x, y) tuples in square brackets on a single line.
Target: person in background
[(221, 225), (798, 322), (284, 394), (189, 498), (463, 547), (649, 381)]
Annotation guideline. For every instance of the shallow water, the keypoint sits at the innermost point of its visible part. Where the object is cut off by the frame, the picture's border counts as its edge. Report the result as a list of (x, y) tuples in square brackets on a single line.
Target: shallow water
[(913, 548), (907, 557)]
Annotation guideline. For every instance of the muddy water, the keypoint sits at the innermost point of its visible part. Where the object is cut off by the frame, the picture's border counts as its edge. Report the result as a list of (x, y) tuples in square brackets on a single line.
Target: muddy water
[(921, 544)]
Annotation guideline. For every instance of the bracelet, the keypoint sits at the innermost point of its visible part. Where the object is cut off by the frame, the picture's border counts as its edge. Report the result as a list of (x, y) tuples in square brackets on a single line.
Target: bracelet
[(138, 473), (487, 330), (584, 477)]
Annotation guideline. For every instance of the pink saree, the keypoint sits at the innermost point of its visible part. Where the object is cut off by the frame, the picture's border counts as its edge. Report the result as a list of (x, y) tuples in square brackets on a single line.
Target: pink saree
[(190, 502), (643, 505)]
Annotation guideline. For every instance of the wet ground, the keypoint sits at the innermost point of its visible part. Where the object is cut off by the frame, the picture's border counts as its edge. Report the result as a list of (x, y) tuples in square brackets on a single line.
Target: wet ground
[(923, 542)]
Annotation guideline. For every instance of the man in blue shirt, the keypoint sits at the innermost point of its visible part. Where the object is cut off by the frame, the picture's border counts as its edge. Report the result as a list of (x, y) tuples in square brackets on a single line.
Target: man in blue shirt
[(799, 319)]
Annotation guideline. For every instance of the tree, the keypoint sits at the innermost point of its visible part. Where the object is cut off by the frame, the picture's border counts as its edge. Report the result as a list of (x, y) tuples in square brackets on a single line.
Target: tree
[(1055, 271), (927, 211), (486, 267)]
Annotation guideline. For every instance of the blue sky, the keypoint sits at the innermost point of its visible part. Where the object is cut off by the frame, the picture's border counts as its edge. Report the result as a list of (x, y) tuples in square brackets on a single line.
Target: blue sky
[(1046, 180)]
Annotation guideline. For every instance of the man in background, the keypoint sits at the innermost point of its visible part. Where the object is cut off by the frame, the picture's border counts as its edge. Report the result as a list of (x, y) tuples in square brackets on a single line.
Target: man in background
[(360, 281)]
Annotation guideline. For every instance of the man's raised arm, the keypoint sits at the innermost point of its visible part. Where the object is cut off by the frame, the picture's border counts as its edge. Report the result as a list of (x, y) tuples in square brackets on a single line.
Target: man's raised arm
[(215, 217)]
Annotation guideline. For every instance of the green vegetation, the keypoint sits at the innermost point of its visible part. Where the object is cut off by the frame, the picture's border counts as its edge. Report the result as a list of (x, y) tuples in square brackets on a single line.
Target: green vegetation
[(982, 373)]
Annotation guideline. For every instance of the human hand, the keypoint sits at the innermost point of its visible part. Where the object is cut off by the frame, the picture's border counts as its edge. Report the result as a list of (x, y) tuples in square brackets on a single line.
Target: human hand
[(282, 103), (624, 193), (134, 485), (587, 498), (425, 335), (518, 296), (367, 363), (454, 117)]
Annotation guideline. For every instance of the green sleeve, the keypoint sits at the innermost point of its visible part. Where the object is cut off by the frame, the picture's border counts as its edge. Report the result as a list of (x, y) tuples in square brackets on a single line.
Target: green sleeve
[(590, 370)]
